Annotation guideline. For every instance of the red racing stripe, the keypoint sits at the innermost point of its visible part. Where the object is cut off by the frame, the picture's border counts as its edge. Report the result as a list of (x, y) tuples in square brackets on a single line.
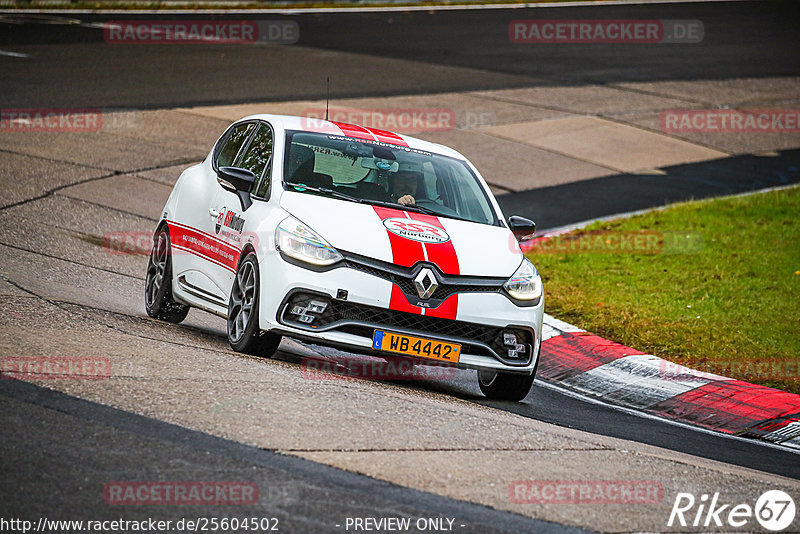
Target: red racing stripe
[(357, 132), (405, 252), (444, 256), (187, 239), (399, 302), (446, 310), (388, 137)]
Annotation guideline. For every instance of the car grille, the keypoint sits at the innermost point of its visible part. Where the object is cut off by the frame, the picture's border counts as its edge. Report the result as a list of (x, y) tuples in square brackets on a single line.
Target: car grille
[(361, 320), (404, 278)]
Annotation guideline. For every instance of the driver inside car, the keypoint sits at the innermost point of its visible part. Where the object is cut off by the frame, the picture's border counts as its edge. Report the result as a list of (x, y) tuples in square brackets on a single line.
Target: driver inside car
[(404, 187)]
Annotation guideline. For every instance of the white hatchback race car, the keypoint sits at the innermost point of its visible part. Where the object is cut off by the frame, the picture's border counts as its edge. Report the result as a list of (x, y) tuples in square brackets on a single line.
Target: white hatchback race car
[(354, 238)]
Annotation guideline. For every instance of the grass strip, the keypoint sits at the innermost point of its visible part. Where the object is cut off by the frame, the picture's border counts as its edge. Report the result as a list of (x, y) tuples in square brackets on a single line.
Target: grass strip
[(713, 285)]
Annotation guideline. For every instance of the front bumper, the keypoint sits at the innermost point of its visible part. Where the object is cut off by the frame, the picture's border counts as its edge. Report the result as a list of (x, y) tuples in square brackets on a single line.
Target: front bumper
[(357, 302)]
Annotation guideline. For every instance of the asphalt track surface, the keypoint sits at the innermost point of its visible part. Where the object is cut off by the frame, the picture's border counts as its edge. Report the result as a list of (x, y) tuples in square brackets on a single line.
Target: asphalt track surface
[(562, 205), (750, 39), (77, 445), (550, 406), (422, 51)]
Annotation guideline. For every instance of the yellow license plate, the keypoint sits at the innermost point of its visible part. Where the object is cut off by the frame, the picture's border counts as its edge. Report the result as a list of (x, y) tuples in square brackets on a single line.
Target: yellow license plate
[(416, 346)]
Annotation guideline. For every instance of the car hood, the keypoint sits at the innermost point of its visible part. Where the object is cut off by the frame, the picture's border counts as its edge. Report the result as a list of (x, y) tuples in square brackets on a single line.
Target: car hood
[(403, 237)]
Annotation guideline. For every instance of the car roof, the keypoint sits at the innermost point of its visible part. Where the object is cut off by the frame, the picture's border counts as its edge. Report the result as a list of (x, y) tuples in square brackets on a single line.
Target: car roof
[(315, 125)]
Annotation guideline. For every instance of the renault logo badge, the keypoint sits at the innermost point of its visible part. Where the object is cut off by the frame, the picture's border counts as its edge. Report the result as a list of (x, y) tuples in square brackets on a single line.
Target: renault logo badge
[(425, 283)]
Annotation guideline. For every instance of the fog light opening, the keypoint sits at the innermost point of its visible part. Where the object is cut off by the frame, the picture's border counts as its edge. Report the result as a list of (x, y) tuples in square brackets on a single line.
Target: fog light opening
[(515, 346), (316, 306), (308, 313)]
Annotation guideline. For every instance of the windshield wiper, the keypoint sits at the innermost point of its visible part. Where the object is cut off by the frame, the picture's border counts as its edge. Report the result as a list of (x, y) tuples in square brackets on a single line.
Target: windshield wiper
[(395, 205), (325, 191), (344, 196), (383, 203), (414, 207)]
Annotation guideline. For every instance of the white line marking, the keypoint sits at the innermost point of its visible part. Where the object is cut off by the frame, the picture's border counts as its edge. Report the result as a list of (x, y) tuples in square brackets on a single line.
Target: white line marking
[(646, 415), (13, 54)]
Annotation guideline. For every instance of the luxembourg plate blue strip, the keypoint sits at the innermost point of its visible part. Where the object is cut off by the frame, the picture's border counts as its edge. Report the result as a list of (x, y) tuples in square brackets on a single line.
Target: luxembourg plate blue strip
[(377, 339)]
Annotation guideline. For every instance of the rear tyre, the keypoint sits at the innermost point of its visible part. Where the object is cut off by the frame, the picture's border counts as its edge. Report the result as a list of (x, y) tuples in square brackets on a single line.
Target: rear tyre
[(244, 335), (505, 386), (158, 300)]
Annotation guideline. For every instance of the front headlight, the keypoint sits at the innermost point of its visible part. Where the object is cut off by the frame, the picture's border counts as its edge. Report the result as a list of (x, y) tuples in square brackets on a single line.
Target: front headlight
[(297, 240), (525, 284)]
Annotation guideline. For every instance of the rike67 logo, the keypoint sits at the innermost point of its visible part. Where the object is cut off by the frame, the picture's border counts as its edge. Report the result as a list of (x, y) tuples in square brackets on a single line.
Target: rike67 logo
[(774, 510)]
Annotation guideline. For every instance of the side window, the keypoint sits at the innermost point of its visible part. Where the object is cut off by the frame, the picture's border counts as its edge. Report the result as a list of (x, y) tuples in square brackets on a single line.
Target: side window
[(230, 147), (258, 157), (261, 187)]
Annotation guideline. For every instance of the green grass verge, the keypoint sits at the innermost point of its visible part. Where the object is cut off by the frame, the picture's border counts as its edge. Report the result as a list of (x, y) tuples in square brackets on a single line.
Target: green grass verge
[(713, 285)]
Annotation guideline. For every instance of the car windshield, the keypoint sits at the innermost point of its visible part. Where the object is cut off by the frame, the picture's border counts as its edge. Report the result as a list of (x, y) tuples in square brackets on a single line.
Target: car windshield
[(380, 173)]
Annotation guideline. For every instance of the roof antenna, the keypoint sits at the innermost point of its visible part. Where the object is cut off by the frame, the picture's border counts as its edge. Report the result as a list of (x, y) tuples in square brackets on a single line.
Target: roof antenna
[(327, 96)]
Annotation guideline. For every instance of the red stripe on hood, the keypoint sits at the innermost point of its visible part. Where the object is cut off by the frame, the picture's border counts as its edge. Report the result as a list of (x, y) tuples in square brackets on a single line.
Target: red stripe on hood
[(407, 253), (441, 254), (444, 256)]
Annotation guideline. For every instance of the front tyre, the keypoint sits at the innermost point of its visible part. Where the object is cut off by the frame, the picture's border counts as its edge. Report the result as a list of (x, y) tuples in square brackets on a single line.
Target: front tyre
[(505, 386), (244, 334), (158, 299)]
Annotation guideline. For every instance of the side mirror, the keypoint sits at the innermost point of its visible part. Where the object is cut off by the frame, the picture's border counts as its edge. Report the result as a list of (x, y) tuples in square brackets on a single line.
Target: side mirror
[(522, 228), (238, 181)]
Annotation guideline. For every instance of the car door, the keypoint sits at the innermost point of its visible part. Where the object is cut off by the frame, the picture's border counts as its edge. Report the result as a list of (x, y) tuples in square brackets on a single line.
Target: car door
[(226, 209), (202, 257)]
